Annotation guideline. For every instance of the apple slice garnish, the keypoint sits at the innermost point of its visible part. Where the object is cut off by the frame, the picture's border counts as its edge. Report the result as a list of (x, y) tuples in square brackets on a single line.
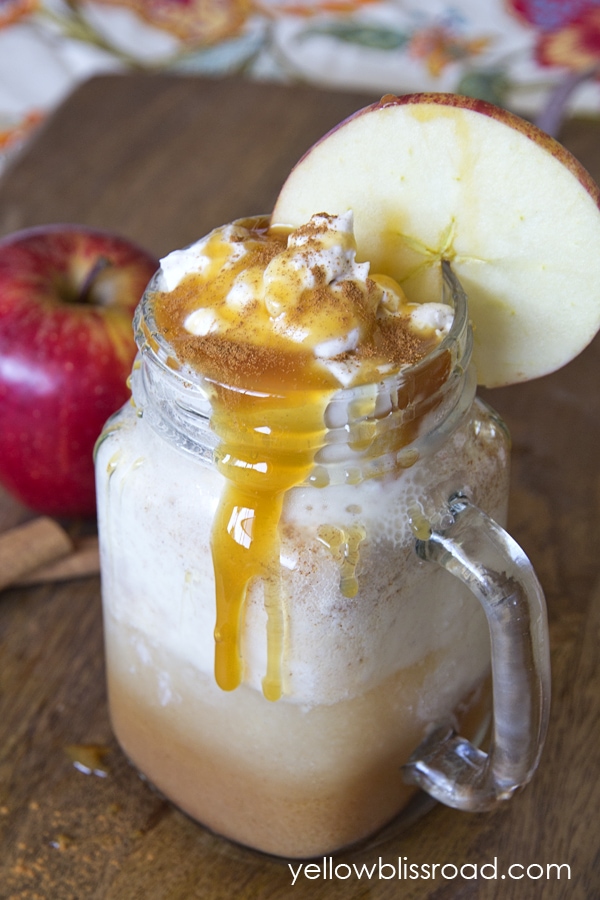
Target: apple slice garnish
[(440, 176)]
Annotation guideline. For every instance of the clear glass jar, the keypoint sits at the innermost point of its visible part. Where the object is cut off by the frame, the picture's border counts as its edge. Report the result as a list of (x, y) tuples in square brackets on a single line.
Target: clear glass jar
[(389, 581)]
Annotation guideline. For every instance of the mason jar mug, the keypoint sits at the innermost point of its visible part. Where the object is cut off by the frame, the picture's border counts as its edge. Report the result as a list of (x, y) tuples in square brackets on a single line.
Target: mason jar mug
[(290, 665)]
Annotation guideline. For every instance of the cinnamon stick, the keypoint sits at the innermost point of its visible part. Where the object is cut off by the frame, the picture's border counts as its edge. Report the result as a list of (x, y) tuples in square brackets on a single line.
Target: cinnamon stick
[(81, 563), (28, 546)]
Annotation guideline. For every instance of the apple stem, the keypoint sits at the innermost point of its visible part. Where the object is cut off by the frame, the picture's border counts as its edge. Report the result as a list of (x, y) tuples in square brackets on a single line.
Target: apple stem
[(101, 264)]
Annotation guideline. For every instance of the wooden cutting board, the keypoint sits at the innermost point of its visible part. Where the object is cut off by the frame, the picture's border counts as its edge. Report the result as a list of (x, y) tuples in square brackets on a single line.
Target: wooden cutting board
[(164, 159)]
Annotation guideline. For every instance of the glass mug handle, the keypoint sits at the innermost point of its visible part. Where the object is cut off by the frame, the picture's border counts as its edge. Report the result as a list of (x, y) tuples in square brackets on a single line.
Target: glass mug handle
[(481, 554)]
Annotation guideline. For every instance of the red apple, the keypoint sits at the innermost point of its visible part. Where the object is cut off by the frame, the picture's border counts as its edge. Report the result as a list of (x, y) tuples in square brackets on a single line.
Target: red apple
[(67, 297)]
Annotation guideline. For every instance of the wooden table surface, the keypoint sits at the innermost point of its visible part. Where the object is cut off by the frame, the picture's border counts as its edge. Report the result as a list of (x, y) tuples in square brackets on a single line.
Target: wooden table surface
[(164, 159)]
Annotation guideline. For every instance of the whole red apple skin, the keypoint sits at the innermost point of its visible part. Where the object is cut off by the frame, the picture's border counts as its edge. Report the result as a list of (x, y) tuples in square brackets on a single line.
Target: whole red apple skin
[(64, 358)]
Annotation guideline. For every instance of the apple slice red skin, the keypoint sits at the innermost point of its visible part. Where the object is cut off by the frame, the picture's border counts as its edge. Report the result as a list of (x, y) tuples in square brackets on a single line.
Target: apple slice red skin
[(63, 365)]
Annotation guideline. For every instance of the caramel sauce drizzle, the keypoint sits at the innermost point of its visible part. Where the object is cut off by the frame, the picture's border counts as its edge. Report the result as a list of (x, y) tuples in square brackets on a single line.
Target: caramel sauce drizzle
[(245, 539)]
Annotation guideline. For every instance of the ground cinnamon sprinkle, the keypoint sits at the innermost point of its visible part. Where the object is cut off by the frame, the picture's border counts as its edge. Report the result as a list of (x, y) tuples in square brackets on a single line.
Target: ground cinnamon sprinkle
[(396, 342), (313, 228), (318, 273), (242, 362), (262, 255), (251, 353)]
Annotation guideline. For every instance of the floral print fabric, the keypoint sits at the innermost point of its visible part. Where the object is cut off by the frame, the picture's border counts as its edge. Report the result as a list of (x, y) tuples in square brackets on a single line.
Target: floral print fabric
[(512, 52)]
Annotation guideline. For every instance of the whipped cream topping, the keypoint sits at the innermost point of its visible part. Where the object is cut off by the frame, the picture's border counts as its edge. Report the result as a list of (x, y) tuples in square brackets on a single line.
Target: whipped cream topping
[(301, 292), (197, 257), (427, 317)]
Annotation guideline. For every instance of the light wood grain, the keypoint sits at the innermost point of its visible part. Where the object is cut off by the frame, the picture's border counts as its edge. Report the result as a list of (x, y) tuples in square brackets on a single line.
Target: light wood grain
[(164, 159)]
